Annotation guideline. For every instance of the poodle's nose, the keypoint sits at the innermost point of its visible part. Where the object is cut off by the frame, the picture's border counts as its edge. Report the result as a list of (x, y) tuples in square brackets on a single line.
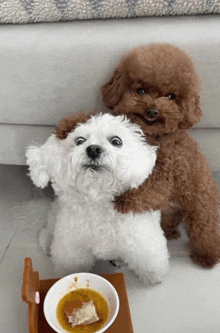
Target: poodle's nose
[(94, 151), (152, 113)]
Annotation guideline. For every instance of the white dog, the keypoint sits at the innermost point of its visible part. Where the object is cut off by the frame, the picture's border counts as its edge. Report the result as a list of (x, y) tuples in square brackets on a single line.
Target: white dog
[(89, 165)]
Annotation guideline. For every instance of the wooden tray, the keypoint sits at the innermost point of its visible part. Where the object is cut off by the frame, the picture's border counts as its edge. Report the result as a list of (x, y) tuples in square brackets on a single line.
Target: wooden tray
[(37, 322)]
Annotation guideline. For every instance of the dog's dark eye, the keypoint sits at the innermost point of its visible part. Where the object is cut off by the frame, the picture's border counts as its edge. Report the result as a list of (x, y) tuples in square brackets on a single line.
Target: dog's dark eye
[(171, 96), (141, 91), (80, 140), (116, 141)]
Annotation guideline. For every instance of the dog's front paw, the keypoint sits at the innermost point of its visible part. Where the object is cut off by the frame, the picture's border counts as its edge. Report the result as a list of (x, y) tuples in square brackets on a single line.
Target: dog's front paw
[(120, 205), (156, 276), (152, 278), (116, 263), (126, 203), (204, 260)]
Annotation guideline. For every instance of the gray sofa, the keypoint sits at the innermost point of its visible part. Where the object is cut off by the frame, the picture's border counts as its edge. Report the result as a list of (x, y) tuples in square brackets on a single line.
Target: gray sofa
[(49, 70)]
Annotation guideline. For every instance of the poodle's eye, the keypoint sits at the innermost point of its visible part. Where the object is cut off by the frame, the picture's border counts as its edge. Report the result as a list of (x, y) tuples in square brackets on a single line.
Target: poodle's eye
[(116, 141), (141, 91), (80, 141), (171, 96)]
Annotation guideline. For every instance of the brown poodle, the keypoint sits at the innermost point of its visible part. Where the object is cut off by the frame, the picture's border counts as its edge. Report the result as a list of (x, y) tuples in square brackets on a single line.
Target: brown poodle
[(157, 87)]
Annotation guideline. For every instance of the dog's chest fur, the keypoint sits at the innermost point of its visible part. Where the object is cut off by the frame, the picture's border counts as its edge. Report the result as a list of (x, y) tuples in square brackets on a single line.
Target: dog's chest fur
[(95, 221), (89, 208)]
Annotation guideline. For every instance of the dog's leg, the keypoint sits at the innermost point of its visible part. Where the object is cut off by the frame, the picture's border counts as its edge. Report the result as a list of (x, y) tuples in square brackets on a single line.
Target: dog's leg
[(70, 258), (202, 227), (46, 234), (144, 247), (68, 265), (170, 220), (201, 204)]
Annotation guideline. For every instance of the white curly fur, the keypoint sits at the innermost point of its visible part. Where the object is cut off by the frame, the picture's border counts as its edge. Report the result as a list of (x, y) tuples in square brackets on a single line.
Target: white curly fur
[(82, 223)]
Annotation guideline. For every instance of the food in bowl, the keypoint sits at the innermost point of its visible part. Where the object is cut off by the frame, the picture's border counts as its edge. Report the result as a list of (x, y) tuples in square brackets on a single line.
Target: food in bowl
[(80, 313), (82, 310)]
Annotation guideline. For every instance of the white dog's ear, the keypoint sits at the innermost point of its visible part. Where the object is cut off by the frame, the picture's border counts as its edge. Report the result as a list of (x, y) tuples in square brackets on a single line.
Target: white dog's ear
[(37, 167)]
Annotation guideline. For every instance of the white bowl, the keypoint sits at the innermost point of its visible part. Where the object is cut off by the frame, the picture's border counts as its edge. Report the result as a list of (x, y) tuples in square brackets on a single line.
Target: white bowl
[(96, 282)]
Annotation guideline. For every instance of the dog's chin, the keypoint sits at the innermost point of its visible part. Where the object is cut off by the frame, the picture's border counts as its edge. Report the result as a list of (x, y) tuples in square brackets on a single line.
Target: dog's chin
[(96, 182)]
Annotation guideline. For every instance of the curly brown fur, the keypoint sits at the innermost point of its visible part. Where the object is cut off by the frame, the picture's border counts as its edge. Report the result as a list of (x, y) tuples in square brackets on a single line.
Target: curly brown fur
[(157, 87), (67, 124)]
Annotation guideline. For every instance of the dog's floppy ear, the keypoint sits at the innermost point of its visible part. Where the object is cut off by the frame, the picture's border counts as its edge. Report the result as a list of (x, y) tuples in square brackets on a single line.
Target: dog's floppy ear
[(114, 89), (44, 161), (68, 123), (37, 167), (193, 113)]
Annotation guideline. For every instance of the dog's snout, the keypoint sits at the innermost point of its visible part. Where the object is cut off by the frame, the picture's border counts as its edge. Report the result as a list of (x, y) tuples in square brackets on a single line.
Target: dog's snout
[(94, 151), (152, 113)]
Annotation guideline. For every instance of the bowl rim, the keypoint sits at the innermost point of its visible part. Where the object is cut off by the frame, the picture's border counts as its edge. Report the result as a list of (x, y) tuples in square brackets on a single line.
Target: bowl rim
[(103, 328)]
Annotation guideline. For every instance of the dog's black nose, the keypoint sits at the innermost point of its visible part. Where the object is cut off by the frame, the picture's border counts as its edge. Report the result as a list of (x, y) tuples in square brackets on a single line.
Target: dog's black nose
[(94, 151), (152, 113)]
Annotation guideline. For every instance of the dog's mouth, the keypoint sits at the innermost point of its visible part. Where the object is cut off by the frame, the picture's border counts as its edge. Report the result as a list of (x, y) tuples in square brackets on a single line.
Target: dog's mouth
[(149, 120), (94, 167)]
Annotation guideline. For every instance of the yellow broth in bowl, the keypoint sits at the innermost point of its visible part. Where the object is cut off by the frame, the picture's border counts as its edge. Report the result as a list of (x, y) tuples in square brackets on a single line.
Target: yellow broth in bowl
[(83, 295)]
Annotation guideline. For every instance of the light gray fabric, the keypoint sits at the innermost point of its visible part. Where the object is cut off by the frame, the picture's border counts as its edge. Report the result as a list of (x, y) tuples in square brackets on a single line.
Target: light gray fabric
[(26, 11), (51, 70), (14, 140)]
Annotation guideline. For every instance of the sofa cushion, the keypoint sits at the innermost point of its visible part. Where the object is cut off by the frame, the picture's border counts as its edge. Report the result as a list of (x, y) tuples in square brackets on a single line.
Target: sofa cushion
[(23, 11), (52, 70)]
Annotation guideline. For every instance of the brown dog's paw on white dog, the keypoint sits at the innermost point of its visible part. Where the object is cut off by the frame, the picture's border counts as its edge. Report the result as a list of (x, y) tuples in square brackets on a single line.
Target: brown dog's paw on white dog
[(157, 87)]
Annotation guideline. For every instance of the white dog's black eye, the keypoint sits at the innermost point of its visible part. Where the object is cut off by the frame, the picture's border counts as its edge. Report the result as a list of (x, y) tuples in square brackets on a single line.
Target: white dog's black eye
[(116, 141), (141, 91), (80, 140), (171, 96)]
